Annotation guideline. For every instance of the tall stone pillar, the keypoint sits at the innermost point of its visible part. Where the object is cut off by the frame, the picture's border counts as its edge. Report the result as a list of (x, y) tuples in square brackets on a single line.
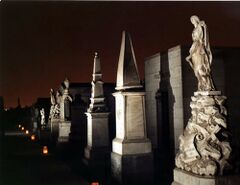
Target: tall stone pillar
[(97, 150), (65, 114), (131, 157)]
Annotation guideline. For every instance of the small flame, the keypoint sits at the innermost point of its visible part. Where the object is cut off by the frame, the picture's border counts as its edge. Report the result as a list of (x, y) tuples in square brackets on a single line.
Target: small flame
[(33, 137), (45, 150), (22, 128), (27, 132)]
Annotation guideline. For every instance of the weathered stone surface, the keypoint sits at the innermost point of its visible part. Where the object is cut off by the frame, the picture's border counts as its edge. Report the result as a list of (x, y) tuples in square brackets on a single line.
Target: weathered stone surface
[(182, 177), (132, 169), (64, 130), (200, 57), (54, 123), (97, 151), (127, 73), (97, 96), (204, 145), (131, 149)]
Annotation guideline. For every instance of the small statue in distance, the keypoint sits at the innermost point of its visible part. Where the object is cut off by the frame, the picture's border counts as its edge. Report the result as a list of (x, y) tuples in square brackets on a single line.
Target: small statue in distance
[(200, 58)]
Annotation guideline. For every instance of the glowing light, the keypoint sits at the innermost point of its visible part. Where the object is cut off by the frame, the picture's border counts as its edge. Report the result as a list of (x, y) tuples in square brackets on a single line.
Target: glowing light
[(22, 128), (19, 126), (95, 183), (45, 150), (27, 132), (33, 137)]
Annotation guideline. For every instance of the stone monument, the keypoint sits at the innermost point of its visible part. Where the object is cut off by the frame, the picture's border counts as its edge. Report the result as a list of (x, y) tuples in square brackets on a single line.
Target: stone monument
[(131, 157), (65, 114), (204, 146), (97, 152), (42, 114), (54, 115)]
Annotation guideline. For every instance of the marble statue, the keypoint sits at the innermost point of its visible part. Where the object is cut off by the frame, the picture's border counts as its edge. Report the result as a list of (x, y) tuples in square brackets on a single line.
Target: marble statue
[(55, 104), (200, 58), (204, 145), (42, 113)]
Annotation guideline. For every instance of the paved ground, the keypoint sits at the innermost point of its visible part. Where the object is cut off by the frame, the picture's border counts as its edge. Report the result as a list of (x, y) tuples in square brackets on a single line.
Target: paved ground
[(22, 163)]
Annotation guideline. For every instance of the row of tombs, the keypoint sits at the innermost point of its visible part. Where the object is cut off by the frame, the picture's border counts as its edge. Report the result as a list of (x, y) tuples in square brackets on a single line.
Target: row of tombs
[(146, 142)]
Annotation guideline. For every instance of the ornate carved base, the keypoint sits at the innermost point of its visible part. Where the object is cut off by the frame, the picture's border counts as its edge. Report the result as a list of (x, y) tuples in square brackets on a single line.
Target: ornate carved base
[(182, 177), (204, 145)]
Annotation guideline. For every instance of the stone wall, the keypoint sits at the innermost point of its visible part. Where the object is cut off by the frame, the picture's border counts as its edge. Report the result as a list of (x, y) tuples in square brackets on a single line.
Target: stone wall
[(179, 83), (152, 82), (176, 100)]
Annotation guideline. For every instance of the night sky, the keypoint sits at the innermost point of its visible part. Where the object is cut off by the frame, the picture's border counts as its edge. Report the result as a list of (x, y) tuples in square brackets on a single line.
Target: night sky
[(44, 42)]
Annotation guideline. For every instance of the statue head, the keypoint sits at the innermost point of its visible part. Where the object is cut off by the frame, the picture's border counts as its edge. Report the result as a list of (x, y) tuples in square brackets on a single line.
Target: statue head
[(66, 83), (195, 20)]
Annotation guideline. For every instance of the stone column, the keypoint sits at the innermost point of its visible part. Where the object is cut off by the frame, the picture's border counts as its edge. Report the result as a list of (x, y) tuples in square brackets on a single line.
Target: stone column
[(97, 152), (131, 157), (65, 114)]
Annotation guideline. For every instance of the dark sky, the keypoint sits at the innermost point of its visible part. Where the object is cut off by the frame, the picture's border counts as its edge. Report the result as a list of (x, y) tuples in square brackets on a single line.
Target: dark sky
[(43, 42)]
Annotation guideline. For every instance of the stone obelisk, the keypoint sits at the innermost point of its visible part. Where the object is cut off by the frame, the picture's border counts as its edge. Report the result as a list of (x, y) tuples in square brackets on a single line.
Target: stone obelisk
[(204, 146), (65, 114), (97, 151), (131, 157)]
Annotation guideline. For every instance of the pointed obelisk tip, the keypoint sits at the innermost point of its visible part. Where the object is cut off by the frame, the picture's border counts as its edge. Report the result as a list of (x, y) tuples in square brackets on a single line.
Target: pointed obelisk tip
[(127, 74), (96, 65)]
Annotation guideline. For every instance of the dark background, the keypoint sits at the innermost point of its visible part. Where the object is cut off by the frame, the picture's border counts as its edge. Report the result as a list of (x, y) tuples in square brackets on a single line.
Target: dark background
[(43, 42)]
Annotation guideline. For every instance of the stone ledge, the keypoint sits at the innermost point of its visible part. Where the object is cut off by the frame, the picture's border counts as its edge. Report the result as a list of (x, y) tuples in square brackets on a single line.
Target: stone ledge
[(182, 177), (127, 147), (207, 93)]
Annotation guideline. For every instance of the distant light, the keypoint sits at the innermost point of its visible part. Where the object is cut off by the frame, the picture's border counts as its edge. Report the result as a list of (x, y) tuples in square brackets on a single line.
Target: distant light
[(33, 137), (45, 150), (22, 128), (19, 126), (27, 132), (95, 183)]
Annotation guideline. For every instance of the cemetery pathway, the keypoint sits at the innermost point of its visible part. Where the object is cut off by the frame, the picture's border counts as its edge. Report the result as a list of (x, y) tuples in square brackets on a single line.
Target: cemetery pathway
[(22, 163)]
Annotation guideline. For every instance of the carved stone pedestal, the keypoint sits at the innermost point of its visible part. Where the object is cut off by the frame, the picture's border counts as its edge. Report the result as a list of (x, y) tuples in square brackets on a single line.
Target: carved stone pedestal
[(131, 157), (54, 128), (64, 131), (132, 169), (181, 177), (97, 152)]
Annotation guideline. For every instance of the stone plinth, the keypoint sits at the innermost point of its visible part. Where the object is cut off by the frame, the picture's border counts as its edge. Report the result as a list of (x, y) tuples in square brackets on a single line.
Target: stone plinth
[(97, 149), (54, 123), (131, 156), (64, 131), (132, 169), (181, 177)]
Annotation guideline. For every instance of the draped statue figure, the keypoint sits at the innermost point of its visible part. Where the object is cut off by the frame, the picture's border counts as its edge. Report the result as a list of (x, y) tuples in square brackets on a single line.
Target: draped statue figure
[(55, 104), (200, 57), (42, 113), (204, 146)]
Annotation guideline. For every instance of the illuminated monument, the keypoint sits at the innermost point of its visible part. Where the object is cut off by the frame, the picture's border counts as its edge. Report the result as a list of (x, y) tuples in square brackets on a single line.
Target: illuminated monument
[(131, 157), (97, 149), (65, 114), (204, 148)]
